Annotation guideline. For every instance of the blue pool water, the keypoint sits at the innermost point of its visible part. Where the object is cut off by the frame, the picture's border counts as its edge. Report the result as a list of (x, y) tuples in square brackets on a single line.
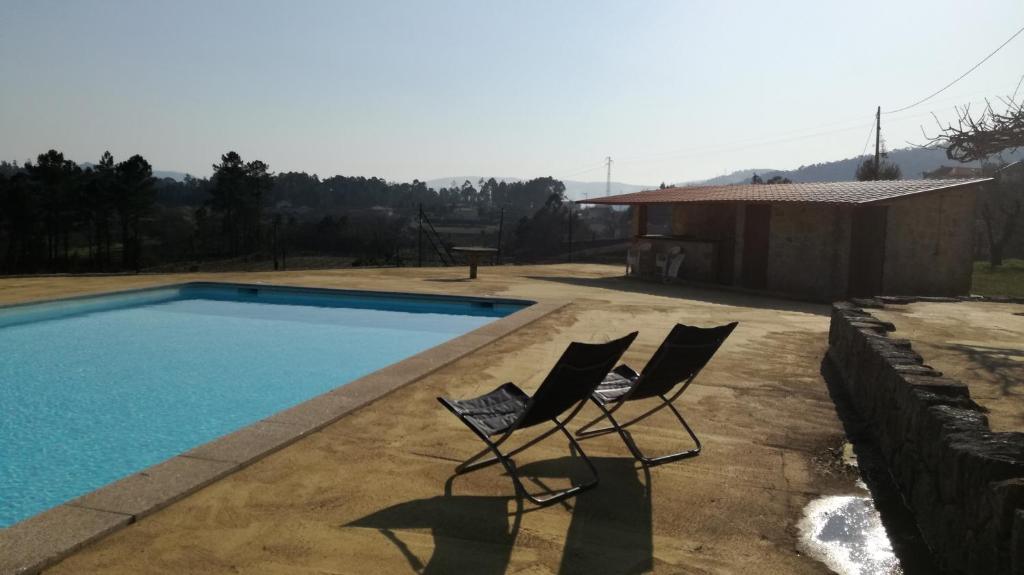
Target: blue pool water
[(95, 389)]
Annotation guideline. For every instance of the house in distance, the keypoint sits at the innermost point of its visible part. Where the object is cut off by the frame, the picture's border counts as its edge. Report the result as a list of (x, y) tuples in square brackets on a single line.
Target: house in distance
[(823, 241)]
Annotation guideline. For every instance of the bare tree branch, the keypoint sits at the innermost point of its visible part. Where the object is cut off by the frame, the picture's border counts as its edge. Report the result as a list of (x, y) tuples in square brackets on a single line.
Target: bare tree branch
[(988, 133)]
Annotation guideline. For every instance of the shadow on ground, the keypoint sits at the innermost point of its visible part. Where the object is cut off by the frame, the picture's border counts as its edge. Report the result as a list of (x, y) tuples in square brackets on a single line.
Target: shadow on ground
[(689, 292), (1005, 365), (609, 532)]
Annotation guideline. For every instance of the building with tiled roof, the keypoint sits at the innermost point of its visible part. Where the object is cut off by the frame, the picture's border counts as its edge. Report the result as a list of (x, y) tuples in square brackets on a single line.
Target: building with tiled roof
[(825, 240)]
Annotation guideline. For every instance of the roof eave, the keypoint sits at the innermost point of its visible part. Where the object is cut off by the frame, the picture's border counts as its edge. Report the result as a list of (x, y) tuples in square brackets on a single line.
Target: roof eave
[(972, 182), (636, 199)]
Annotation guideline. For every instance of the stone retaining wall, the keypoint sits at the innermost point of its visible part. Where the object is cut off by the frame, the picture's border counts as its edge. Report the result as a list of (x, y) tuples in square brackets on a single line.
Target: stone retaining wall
[(964, 483)]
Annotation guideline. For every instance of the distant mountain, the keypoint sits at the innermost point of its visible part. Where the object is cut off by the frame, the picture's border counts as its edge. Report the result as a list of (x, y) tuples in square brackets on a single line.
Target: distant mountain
[(574, 189), (582, 190), (438, 183), (730, 178), (161, 174), (913, 162), (158, 174)]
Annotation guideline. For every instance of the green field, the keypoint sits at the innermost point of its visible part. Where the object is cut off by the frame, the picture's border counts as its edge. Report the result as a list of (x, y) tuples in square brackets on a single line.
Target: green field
[(1007, 279)]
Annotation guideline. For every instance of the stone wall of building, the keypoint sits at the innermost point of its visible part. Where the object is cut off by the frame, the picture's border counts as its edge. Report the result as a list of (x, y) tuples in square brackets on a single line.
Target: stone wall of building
[(930, 244), (709, 222), (964, 483), (809, 250), (704, 221)]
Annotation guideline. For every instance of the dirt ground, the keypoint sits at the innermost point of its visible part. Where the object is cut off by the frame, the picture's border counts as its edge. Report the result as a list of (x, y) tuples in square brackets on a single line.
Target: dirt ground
[(979, 343), (374, 492)]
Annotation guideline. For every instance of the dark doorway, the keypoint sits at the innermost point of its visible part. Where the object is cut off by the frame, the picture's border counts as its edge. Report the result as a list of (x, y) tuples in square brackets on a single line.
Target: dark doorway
[(756, 228), (867, 250)]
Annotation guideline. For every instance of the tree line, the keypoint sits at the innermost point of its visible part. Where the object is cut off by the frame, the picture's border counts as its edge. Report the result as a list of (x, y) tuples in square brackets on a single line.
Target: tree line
[(58, 216), (53, 212)]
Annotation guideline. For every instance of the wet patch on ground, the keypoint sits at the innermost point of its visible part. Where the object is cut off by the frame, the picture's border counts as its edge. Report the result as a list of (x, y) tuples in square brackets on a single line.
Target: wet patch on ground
[(860, 531), (846, 533)]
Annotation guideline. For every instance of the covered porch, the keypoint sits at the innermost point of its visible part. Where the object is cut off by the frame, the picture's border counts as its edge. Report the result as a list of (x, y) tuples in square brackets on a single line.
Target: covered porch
[(702, 236)]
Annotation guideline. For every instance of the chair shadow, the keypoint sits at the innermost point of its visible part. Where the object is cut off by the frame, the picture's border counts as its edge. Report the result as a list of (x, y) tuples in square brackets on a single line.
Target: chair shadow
[(707, 294), (472, 534), (609, 532)]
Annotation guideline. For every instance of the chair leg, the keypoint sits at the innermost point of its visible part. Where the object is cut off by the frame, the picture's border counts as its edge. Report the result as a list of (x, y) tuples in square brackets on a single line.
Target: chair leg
[(575, 448), (627, 437), (582, 432), (468, 465), (652, 461), (506, 461)]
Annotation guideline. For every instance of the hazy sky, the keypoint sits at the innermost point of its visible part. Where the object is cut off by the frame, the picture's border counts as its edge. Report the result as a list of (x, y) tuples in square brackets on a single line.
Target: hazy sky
[(673, 91)]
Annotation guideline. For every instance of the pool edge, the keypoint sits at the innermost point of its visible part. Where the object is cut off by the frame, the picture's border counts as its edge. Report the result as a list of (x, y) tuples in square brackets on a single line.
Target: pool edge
[(41, 541)]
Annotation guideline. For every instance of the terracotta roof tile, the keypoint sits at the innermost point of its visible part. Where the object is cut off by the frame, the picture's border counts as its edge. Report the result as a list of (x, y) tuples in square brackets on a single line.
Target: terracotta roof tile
[(816, 193)]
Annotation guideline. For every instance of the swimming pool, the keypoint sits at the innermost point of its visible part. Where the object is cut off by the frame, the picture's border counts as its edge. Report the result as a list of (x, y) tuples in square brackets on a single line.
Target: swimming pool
[(93, 389)]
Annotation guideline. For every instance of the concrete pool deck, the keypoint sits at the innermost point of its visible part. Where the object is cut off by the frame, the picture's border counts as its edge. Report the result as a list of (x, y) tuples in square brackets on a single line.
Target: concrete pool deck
[(978, 343), (368, 492)]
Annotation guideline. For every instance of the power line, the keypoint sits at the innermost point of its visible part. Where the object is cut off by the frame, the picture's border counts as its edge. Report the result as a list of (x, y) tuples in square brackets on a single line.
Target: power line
[(868, 140), (779, 138), (962, 76), (583, 171), (703, 151)]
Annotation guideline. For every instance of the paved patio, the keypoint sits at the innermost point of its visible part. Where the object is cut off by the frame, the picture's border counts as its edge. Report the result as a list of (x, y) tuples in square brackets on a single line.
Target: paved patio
[(979, 343), (368, 493)]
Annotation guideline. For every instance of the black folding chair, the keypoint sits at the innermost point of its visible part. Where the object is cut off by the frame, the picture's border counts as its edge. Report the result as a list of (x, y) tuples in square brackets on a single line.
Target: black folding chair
[(508, 409), (680, 358)]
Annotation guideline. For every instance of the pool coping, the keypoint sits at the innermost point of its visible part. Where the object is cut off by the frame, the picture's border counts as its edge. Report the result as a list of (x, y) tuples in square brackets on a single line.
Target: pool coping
[(42, 540)]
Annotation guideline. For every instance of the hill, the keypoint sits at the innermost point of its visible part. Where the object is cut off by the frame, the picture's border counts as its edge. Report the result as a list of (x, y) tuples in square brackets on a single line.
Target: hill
[(158, 174), (913, 162)]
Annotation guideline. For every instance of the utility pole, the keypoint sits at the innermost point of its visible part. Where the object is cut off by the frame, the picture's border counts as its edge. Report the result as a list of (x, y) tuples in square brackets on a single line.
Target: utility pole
[(878, 141), (608, 182)]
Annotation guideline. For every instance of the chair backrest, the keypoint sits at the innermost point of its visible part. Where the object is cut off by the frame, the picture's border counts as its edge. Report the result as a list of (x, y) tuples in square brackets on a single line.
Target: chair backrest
[(578, 372), (680, 358)]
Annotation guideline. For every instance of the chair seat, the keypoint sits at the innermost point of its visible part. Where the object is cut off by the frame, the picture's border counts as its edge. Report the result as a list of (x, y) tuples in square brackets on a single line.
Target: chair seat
[(494, 412), (615, 385)]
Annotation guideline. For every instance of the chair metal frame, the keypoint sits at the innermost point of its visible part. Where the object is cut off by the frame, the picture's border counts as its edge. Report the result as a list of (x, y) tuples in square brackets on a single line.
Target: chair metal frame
[(666, 400), (523, 420), (506, 458)]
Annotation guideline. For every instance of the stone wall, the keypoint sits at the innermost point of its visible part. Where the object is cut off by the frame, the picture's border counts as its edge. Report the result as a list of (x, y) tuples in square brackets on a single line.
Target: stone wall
[(930, 244), (705, 221), (809, 250), (710, 222), (964, 483)]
